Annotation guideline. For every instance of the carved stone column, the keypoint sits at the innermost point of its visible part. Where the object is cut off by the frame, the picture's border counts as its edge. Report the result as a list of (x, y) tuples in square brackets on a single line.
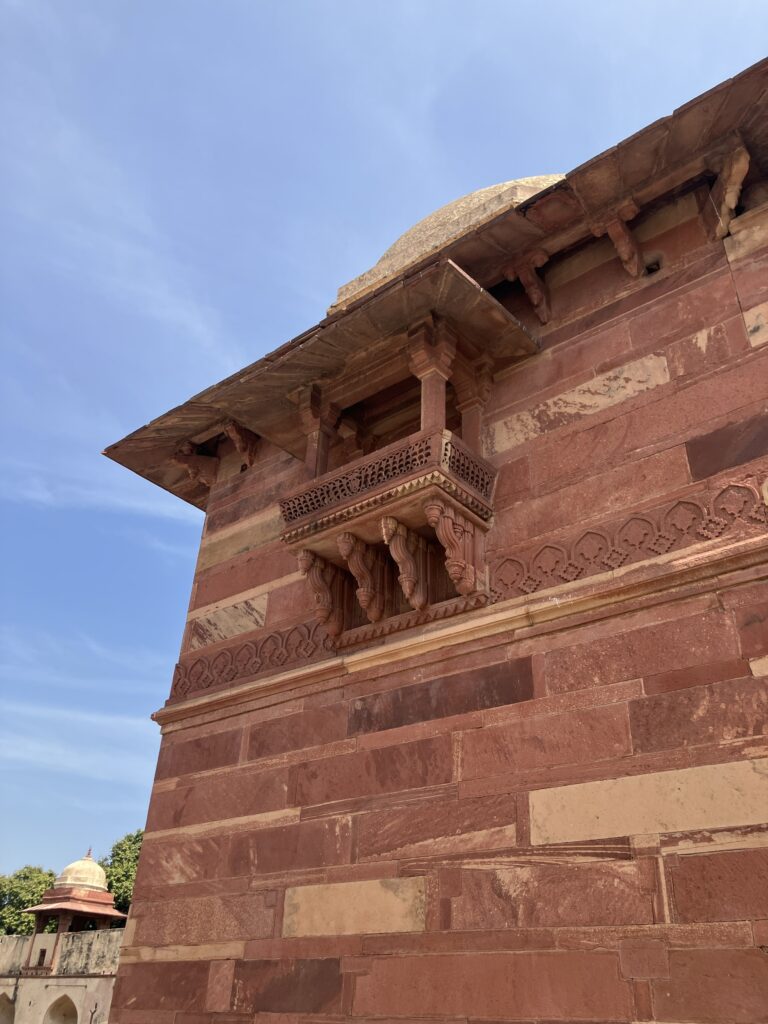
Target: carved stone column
[(409, 551), (462, 544), (369, 568), (327, 586), (472, 383), (319, 419), (431, 351)]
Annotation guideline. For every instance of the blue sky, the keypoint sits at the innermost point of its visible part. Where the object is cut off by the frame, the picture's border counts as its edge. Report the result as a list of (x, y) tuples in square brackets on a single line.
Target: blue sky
[(184, 185)]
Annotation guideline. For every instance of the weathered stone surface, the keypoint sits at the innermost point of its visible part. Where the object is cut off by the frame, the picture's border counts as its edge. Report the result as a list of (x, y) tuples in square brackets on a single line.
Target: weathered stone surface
[(590, 735), (241, 617), (294, 732), (287, 986), (553, 895), (207, 919), (601, 392), (710, 796), (645, 651), (307, 844), (349, 908), (502, 986), (229, 795), (423, 763), (726, 886), (215, 750), (731, 445), (438, 827), (756, 323), (712, 986), (490, 687), (720, 712), (161, 986)]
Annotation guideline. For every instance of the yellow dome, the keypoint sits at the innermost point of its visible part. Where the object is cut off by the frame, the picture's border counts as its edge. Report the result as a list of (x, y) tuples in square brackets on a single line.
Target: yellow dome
[(84, 873), (444, 226)]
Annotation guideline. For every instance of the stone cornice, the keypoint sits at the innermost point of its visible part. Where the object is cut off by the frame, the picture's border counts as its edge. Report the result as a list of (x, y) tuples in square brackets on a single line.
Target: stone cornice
[(671, 577)]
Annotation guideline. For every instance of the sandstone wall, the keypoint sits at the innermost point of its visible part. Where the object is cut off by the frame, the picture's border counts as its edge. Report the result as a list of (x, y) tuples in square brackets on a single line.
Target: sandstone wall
[(551, 809)]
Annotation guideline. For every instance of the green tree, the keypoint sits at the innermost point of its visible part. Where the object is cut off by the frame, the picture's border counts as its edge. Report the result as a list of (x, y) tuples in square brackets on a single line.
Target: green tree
[(23, 888), (120, 866)]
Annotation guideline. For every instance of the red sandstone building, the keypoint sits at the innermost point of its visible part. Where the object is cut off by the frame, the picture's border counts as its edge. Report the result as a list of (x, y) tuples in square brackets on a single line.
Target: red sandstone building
[(469, 717)]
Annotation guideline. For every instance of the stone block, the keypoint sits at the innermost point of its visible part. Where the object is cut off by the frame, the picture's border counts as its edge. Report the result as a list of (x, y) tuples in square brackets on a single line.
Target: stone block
[(752, 624), (376, 906), (536, 895), (215, 750), (438, 828), (592, 734), (756, 324), (192, 922), (231, 794), (708, 348), (685, 311), (696, 675), (593, 396), (707, 796), (728, 886), (728, 446), (306, 844), (426, 762), (643, 958), (296, 732), (242, 573), (707, 986), (224, 623), (716, 713), (287, 986), (501, 986), (617, 490), (180, 985), (649, 650), (488, 687)]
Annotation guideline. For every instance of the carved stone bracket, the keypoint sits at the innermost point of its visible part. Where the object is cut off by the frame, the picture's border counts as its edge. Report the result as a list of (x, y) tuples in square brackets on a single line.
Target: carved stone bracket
[(457, 535), (623, 240), (327, 586), (199, 468), (725, 193), (525, 270), (369, 568), (244, 440), (409, 551)]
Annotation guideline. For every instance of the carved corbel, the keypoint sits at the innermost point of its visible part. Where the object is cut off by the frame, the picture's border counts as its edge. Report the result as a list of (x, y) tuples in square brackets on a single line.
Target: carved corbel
[(199, 468), (406, 547), (457, 536), (724, 194), (624, 241), (318, 419), (326, 585), (526, 270), (365, 564), (244, 440)]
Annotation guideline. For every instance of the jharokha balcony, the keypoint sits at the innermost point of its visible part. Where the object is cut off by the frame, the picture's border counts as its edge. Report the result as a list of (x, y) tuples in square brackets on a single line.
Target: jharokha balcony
[(407, 522)]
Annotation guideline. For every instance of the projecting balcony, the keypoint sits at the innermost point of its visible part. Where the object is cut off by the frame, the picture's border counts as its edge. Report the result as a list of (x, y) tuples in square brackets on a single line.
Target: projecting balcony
[(394, 481), (403, 528)]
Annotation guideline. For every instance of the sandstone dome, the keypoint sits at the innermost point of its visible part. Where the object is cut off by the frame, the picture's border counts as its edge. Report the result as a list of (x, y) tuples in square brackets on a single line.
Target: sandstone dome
[(84, 874), (446, 224)]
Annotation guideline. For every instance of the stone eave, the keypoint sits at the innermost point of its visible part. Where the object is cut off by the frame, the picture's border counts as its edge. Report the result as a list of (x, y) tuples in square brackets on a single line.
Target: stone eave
[(256, 396), (688, 146)]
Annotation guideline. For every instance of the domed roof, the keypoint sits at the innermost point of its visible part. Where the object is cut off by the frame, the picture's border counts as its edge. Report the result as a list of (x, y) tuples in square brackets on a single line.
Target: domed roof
[(84, 874), (445, 225)]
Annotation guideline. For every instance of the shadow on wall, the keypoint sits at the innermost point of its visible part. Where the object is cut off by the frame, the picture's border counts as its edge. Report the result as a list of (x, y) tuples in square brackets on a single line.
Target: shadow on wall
[(6, 1010)]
